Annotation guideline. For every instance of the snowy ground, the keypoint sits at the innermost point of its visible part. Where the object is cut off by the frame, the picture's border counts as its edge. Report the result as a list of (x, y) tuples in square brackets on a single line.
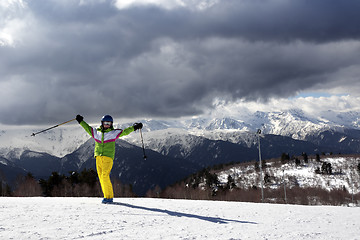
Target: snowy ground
[(145, 218)]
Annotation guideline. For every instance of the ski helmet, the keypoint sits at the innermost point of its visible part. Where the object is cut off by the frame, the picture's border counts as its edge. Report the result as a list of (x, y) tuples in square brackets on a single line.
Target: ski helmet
[(107, 118)]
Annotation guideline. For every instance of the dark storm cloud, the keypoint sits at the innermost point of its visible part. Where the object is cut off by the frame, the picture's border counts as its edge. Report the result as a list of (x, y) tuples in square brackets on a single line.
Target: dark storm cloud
[(148, 61)]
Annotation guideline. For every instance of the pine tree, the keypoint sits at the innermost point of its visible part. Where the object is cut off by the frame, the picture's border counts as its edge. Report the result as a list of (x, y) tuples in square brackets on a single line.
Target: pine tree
[(257, 166), (45, 187), (73, 178), (55, 184), (230, 183), (88, 177), (326, 168), (263, 164), (306, 158), (267, 178), (54, 181), (323, 168), (285, 157), (211, 179), (329, 168)]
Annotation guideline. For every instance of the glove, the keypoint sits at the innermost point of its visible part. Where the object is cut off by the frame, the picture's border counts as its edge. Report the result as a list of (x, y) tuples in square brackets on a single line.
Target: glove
[(137, 126), (79, 118)]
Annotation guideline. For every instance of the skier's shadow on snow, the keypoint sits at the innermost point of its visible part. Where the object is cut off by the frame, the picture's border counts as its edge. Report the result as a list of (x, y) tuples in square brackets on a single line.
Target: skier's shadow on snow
[(179, 214)]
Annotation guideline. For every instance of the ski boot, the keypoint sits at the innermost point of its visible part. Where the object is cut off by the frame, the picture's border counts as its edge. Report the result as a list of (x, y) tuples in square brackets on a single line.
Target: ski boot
[(107, 200)]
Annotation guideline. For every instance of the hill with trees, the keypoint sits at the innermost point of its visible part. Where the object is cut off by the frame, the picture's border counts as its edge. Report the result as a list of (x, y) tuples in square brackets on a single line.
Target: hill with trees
[(308, 180)]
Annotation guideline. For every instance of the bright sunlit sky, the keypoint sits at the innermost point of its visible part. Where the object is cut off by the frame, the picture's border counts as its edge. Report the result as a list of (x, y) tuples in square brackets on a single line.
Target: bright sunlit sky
[(175, 58)]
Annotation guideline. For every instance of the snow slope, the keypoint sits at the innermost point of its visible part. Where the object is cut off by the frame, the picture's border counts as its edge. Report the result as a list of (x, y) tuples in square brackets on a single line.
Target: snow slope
[(146, 218), (344, 175)]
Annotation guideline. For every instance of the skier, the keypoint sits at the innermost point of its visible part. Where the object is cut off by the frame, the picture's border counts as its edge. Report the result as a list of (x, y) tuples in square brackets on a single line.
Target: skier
[(104, 152)]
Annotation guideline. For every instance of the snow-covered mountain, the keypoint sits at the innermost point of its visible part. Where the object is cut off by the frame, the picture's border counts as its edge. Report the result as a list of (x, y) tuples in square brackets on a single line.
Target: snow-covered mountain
[(339, 131), (58, 142), (158, 134), (198, 142)]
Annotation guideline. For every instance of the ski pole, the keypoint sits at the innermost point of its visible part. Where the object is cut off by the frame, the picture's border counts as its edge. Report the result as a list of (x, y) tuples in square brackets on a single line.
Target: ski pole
[(142, 141), (33, 135)]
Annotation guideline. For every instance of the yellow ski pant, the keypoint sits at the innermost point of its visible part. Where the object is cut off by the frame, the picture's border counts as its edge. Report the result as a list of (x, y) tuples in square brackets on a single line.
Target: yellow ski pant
[(103, 166)]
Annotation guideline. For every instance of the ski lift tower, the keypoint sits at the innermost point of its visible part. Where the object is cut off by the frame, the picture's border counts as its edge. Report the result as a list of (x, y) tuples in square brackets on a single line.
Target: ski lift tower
[(260, 164)]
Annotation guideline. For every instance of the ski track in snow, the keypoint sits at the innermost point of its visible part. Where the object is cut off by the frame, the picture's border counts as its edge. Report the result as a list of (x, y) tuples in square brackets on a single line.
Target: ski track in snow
[(146, 218)]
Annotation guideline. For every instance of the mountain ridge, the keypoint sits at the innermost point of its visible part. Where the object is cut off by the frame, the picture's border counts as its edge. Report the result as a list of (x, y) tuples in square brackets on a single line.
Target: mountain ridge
[(182, 147), (294, 123)]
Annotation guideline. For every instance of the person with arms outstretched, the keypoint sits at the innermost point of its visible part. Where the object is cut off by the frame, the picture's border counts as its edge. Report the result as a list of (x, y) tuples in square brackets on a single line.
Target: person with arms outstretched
[(104, 152)]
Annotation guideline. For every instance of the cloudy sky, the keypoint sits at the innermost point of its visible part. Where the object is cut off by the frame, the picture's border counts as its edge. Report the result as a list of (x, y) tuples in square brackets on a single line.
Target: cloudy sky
[(174, 58)]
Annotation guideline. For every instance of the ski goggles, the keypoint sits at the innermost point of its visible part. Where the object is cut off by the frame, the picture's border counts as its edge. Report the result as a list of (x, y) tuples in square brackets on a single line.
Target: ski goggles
[(107, 123)]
